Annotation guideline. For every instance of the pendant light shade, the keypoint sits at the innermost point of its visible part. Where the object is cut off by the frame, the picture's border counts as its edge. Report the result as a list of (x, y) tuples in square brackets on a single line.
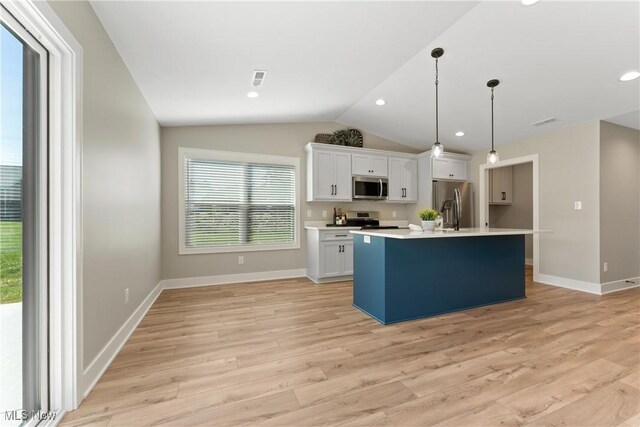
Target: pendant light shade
[(437, 150), (493, 157)]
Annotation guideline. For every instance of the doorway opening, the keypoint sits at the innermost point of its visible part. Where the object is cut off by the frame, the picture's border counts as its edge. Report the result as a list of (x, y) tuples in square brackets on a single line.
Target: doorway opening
[(509, 198)]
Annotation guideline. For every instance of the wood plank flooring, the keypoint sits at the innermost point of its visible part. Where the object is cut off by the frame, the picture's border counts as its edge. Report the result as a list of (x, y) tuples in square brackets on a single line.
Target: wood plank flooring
[(290, 353)]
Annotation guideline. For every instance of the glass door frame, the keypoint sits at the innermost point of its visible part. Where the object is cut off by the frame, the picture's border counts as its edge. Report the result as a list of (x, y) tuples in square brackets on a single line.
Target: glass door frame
[(66, 385), (35, 197)]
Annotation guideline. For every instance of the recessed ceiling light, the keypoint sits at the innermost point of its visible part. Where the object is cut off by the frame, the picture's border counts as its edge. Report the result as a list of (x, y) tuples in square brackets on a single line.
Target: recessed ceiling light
[(459, 133), (380, 101), (253, 94), (529, 2), (631, 75)]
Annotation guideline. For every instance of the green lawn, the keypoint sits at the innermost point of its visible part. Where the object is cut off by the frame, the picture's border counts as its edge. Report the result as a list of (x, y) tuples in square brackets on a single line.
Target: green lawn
[(10, 262)]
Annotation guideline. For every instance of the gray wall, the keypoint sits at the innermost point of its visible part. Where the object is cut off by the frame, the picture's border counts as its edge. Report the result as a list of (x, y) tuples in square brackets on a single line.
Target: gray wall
[(619, 202), (519, 214), (569, 161), (275, 139), (121, 184)]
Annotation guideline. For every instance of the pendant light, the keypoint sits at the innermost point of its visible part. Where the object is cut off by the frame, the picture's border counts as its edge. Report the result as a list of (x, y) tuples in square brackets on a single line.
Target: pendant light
[(437, 150), (493, 156)]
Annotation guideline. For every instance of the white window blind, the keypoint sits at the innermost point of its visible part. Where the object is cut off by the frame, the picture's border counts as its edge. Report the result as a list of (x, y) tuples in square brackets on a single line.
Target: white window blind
[(230, 204)]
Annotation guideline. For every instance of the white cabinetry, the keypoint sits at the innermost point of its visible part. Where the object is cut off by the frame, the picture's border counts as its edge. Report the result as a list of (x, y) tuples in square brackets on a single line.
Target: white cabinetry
[(403, 180), (449, 168), (329, 255), (501, 186), (366, 165), (328, 175)]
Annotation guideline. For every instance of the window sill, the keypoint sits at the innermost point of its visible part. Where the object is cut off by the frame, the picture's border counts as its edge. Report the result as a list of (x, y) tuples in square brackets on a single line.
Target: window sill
[(232, 249)]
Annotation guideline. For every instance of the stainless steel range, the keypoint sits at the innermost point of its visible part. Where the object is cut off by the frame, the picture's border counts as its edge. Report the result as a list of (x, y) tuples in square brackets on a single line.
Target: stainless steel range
[(366, 220)]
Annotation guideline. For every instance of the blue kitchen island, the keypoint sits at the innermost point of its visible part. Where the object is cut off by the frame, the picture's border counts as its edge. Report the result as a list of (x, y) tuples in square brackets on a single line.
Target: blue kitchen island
[(403, 275)]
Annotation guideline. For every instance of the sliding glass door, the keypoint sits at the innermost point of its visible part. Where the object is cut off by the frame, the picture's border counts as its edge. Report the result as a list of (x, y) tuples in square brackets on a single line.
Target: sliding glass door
[(23, 226)]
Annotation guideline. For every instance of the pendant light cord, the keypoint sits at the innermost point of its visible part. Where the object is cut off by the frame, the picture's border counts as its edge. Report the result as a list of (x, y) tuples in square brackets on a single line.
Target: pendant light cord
[(437, 139), (492, 119)]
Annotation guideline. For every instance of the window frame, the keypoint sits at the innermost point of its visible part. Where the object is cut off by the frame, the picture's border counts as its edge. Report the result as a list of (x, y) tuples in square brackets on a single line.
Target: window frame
[(206, 154)]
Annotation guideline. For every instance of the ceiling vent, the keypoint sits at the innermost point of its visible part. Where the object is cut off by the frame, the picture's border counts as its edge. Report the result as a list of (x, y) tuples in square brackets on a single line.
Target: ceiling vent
[(258, 78), (545, 121)]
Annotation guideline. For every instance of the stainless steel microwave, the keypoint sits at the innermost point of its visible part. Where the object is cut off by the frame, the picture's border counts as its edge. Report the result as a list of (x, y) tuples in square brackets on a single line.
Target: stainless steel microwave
[(366, 187)]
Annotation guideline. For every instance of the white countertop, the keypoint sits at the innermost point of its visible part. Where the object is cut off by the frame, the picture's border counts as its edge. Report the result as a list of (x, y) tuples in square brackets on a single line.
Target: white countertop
[(322, 225), (464, 232)]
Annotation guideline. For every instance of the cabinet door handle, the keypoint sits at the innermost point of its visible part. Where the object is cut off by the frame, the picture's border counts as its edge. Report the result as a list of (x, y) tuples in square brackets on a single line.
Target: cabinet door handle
[(339, 248), (504, 195)]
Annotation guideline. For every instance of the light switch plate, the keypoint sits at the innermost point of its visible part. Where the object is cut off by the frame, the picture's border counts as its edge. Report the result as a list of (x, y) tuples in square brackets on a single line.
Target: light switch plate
[(393, 214), (324, 214), (309, 213), (577, 205)]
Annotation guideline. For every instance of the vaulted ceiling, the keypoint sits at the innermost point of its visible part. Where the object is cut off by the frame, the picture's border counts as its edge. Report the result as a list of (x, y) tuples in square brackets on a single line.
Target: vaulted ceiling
[(330, 61)]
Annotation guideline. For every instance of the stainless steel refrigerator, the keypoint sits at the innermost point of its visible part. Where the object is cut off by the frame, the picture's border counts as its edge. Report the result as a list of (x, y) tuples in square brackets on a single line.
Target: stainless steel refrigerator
[(444, 201)]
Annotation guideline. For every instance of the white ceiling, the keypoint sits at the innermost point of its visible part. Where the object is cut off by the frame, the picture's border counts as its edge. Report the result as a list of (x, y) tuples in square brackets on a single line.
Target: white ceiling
[(630, 120), (330, 60)]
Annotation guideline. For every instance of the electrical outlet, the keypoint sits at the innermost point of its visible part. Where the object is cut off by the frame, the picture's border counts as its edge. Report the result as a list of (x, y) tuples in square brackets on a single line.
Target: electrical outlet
[(324, 214), (577, 205), (309, 213), (605, 267), (240, 260), (126, 296), (393, 214)]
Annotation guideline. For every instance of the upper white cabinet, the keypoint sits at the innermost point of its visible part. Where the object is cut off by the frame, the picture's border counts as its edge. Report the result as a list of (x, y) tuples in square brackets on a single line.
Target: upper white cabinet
[(501, 186), (328, 175), (403, 180), (449, 168), (367, 165)]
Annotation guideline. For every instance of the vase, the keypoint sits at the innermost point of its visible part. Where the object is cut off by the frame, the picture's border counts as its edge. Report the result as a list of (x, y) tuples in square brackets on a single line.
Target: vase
[(428, 225)]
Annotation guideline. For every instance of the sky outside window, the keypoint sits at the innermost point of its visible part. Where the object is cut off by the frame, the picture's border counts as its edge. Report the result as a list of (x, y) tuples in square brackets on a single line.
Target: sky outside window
[(10, 99)]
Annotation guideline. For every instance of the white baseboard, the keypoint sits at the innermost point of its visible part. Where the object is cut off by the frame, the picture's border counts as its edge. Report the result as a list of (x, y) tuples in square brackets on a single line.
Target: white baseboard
[(331, 279), (102, 361), (528, 261), (576, 285), (225, 279), (620, 285), (592, 288)]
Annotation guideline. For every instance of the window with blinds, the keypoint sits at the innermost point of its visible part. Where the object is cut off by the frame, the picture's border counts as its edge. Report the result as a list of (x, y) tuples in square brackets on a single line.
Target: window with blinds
[(237, 204)]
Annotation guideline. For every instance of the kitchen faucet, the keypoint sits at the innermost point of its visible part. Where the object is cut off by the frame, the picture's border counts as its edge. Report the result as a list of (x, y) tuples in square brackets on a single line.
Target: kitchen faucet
[(457, 209), (451, 213)]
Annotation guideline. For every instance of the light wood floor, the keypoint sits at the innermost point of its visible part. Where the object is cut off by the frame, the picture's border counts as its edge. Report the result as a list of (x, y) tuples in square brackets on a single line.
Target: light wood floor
[(290, 353)]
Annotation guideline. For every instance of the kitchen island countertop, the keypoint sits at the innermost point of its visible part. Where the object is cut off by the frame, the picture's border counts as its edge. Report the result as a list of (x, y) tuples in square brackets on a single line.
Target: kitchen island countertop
[(463, 232)]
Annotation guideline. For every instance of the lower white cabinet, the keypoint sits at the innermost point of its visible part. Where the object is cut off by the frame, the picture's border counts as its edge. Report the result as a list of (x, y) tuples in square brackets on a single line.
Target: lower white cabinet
[(329, 255)]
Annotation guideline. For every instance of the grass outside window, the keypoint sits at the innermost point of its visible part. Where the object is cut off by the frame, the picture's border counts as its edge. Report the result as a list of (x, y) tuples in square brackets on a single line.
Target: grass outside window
[(10, 262)]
